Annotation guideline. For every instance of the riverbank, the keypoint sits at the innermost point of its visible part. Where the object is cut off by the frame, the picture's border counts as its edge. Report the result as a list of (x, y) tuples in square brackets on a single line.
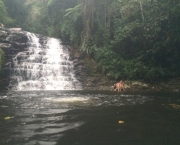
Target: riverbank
[(171, 85), (89, 73)]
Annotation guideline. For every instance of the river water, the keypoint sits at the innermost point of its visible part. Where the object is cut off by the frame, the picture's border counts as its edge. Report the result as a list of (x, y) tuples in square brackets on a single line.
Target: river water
[(89, 118)]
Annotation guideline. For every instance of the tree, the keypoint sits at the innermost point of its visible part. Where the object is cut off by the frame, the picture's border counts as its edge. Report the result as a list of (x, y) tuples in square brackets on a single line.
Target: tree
[(4, 18), (142, 37)]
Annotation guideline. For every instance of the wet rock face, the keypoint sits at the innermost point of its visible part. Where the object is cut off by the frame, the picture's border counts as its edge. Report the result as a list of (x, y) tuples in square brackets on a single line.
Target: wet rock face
[(83, 72), (12, 40), (80, 69)]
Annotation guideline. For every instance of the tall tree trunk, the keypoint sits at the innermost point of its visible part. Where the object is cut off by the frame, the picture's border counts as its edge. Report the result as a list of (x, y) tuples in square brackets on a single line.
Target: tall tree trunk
[(92, 14), (142, 13)]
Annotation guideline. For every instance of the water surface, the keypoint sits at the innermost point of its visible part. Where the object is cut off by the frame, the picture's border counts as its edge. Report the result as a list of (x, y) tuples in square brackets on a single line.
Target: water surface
[(89, 118)]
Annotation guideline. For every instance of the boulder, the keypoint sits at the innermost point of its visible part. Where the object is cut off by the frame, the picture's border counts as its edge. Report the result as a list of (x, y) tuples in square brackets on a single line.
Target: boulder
[(3, 33)]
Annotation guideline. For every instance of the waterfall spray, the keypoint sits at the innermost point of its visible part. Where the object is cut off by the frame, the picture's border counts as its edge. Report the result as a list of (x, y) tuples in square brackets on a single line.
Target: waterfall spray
[(45, 66)]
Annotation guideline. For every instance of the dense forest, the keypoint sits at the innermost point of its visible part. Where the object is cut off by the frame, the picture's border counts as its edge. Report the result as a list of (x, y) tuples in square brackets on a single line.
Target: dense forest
[(128, 39)]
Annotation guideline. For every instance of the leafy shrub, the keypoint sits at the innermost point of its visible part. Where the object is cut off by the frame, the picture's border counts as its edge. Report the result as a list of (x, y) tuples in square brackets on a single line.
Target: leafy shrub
[(115, 67), (4, 18)]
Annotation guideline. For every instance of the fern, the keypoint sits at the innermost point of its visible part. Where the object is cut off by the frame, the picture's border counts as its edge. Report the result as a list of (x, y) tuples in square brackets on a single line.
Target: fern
[(74, 13), (50, 2)]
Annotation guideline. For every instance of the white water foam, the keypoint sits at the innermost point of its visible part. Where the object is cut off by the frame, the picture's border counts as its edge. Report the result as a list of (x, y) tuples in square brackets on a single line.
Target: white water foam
[(43, 67), (67, 99)]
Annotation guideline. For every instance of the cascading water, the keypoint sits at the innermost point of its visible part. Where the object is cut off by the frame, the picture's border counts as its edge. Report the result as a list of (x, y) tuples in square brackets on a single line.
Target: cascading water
[(45, 66)]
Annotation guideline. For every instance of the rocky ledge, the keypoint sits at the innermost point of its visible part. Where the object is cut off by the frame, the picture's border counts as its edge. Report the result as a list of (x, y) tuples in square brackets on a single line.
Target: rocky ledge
[(12, 40)]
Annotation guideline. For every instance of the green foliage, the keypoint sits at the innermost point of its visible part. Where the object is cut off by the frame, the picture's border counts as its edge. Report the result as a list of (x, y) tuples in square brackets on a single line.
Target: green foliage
[(68, 32), (50, 2), (130, 39), (111, 63), (4, 18), (71, 26), (17, 11), (115, 67), (74, 13)]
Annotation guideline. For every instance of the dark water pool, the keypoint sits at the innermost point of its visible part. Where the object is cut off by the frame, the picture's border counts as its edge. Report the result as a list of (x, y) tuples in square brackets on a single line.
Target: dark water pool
[(89, 118)]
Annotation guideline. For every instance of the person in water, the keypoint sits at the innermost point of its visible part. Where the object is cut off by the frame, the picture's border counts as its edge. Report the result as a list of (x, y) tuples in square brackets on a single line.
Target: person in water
[(118, 86)]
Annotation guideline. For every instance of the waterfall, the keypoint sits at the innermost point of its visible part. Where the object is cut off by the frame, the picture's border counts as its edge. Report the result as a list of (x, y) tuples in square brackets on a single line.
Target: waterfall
[(43, 66)]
